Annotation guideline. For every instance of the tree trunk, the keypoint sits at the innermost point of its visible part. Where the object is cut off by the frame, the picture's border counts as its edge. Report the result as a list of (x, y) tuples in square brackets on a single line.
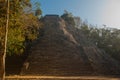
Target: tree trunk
[(3, 54), (2, 67)]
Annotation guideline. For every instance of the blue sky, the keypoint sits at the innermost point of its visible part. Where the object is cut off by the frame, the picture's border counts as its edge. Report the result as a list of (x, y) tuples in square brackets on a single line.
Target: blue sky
[(96, 12)]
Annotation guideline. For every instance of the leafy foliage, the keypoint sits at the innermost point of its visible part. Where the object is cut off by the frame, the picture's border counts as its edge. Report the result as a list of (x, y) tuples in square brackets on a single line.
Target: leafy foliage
[(68, 17), (23, 27), (38, 11), (107, 39)]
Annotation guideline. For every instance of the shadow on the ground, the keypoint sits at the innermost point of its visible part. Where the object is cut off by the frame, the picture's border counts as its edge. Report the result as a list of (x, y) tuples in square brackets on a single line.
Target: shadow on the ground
[(14, 64)]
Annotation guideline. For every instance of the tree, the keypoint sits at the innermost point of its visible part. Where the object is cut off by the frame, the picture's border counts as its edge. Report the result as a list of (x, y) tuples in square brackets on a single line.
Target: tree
[(21, 26), (3, 36), (106, 39), (68, 17), (85, 28), (38, 11)]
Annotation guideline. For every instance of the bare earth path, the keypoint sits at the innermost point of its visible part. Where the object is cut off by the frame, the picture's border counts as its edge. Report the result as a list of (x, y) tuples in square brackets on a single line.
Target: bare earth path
[(59, 78)]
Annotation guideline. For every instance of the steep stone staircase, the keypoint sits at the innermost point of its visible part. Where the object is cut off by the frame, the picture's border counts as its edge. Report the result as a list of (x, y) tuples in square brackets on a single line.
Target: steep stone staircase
[(56, 54)]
